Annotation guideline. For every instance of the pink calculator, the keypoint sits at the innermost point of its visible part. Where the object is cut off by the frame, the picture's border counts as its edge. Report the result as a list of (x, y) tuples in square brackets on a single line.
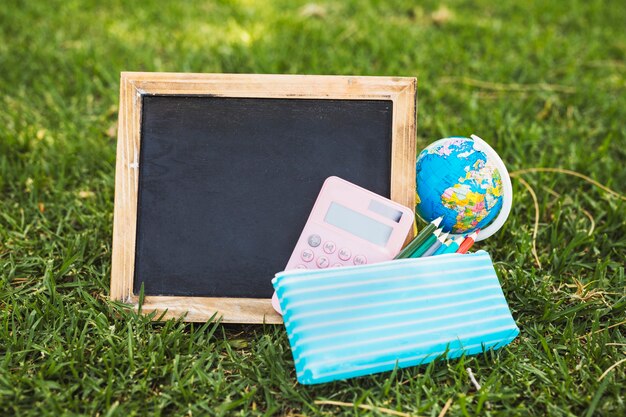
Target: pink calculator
[(349, 226)]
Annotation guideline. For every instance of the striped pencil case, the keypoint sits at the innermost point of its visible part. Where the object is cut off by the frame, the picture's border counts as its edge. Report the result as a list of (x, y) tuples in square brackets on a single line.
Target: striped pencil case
[(360, 320)]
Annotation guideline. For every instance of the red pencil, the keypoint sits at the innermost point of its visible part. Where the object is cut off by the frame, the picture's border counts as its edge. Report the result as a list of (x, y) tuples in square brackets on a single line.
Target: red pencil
[(467, 243)]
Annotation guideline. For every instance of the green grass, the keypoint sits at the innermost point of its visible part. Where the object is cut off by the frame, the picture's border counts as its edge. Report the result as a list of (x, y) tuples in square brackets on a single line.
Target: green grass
[(66, 349)]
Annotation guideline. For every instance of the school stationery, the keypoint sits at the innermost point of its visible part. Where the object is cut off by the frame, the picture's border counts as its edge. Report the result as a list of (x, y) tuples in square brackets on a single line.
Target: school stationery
[(443, 247), (349, 225), (464, 180), (359, 320), (216, 175), (452, 248), (427, 244), (419, 239), (435, 246), (467, 243)]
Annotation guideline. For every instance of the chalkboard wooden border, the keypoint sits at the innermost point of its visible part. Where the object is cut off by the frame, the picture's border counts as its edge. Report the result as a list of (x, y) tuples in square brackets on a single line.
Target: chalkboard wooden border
[(133, 85)]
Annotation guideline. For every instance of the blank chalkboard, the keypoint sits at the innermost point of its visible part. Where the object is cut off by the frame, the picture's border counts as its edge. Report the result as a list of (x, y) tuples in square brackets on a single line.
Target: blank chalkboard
[(225, 182)]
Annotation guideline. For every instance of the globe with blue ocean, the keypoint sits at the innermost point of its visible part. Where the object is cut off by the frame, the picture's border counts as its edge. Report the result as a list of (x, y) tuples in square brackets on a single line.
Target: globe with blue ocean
[(464, 181)]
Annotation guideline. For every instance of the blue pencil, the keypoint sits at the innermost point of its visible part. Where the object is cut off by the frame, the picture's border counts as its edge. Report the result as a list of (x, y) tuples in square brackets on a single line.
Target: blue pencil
[(443, 247), (454, 245)]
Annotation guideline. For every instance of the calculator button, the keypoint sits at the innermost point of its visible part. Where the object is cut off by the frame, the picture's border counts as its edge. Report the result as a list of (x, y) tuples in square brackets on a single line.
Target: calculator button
[(300, 267), (323, 262), (314, 241), (344, 254), (307, 255), (337, 265), (360, 260), (329, 247)]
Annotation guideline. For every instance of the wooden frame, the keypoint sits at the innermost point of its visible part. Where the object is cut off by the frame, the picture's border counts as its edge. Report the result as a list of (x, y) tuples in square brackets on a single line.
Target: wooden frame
[(401, 91)]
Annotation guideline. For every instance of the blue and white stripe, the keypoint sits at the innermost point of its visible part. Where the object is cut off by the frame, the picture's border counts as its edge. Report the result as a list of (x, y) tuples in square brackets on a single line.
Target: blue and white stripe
[(360, 320)]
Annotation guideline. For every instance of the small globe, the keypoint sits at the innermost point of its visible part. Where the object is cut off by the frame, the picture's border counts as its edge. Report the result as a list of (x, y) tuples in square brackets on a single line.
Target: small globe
[(466, 182)]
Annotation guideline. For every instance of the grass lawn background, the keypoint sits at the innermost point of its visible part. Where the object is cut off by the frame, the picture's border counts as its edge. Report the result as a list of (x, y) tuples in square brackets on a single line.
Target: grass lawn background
[(543, 82)]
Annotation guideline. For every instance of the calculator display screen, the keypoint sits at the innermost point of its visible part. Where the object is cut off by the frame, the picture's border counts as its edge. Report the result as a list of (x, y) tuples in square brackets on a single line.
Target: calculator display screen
[(358, 224), (385, 210)]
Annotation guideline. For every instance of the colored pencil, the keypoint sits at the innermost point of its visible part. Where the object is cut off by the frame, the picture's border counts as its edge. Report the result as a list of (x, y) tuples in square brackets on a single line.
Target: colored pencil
[(443, 247), (419, 239), (427, 244), (467, 243), (454, 245), (431, 251)]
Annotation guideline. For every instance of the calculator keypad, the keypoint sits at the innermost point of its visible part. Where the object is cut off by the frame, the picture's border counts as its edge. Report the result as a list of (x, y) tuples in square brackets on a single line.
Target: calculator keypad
[(329, 247), (344, 254), (322, 262), (314, 240), (307, 255), (360, 260), (321, 254)]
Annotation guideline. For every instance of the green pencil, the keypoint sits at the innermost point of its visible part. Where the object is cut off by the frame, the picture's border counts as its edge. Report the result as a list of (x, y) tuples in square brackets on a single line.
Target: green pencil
[(435, 246), (426, 245), (424, 234)]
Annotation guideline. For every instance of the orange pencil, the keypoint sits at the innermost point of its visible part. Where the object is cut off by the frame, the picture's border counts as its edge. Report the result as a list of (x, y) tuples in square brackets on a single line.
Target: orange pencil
[(467, 243)]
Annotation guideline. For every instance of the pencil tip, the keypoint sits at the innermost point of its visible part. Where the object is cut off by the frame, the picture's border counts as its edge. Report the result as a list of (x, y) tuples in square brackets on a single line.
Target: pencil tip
[(437, 232), (437, 221), (443, 236)]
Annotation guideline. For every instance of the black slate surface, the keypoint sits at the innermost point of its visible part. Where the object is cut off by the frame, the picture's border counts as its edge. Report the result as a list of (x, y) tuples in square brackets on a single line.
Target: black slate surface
[(226, 184)]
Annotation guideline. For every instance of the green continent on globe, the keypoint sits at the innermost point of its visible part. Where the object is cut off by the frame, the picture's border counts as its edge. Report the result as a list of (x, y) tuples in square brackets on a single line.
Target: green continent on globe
[(456, 180)]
